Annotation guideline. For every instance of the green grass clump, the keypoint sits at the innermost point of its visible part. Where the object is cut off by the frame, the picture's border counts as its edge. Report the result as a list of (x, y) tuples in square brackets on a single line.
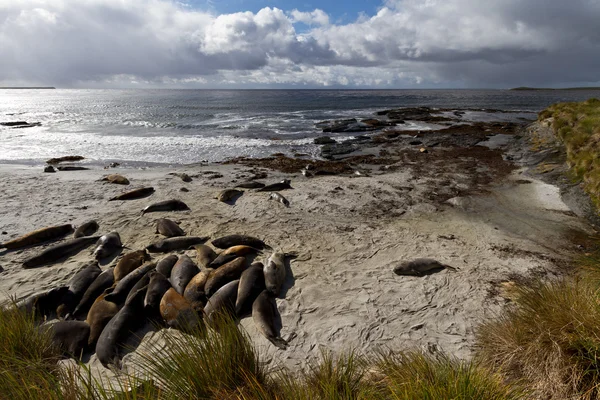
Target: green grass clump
[(551, 339), (578, 127), (27, 358)]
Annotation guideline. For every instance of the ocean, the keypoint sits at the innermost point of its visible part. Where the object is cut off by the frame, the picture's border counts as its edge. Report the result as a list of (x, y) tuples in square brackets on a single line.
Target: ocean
[(174, 127)]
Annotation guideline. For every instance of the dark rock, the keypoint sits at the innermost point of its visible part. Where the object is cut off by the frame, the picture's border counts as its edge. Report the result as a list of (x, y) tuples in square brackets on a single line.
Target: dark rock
[(415, 142), (49, 168), (63, 159), (71, 168), (184, 189), (324, 140), (20, 124), (330, 150)]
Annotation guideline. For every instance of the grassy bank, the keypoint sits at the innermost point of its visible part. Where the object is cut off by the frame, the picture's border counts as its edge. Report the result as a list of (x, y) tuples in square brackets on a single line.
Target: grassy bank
[(577, 125)]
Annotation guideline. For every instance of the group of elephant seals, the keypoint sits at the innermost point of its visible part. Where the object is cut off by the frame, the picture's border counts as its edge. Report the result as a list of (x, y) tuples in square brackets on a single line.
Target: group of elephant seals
[(228, 241), (116, 178), (60, 251), (38, 236), (168, 228), (278, 197), (86, 229), (108, 245), (134, 194), (175, 243), (167, 205), (421, 267), (275, 187)]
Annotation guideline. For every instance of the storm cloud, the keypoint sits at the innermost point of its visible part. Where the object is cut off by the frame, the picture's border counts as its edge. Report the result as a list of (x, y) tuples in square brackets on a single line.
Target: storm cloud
[(407, 43)]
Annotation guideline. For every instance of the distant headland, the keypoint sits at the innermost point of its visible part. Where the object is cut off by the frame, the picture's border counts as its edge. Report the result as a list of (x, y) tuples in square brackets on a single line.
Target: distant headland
[(27, 87), (573, 88)]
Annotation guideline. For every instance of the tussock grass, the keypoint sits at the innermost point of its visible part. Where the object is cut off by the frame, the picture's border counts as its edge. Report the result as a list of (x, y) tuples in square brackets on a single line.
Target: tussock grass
[(578, 126), (551, 339)]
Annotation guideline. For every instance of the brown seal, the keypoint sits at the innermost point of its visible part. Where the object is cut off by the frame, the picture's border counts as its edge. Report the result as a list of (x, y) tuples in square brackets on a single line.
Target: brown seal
[(60, 251), (204, 255), (167, 205), (100, 313), (134, 194), (421, 267), (228, 241), (115, 178), (86, 229), (232, 253), (228, 195), (177, 311), (123, 287), (38, 236), (194, 291), (168, 228), (175, 243), (224, 274), (130, 262)]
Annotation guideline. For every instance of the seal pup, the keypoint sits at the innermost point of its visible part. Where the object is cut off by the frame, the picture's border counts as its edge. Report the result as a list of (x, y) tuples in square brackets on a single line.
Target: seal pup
[(123, 287), (108, 245), (182, 273), (274, 272), (129, 262), (165, 265), (168, 228), (228, 195), (175, 243), (224, 274), (194, 291), (420, 267), (80, 282), (100, 313), (264, 310), (157, 287), (60, 251), (252, 283), (228, 241), (102, 282), (134, 194), (177, 311), (115, 178), (251, 185), (232, 253), (118, 328), (204, 255), (86, 229), (167, 205), (38, 236), (223, 301), (278, 197), (275, 187), (71, 337)]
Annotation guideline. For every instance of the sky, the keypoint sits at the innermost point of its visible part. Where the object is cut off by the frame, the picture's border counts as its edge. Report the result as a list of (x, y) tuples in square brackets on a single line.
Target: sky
[(387, 44)]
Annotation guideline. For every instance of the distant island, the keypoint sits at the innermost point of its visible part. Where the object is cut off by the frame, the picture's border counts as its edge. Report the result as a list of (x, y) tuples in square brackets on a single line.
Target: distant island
[(573, 88), (27, 87)]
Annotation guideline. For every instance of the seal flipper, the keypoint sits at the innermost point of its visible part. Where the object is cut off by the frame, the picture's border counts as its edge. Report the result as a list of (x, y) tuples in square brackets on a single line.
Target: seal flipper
[(279, 342)]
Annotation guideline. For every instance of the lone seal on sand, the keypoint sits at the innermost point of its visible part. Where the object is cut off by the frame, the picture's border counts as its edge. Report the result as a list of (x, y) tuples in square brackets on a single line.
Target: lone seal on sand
[(421, 267)]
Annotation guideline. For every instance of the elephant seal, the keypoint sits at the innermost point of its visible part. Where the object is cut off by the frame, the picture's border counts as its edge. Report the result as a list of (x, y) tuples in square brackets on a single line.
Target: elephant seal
[(157, 287), (228, 195), (228, 241), (134, 194), (223, 301), (250, 185), (99, 315), (71, 337), (194, 291), (114, 334), (101, 283), (420, 267), (175, 243), (182, 273), (80, 282), (177, 311), (60, 251), (167, 205), (204, 255), (86, 229), (123, 287), (168, 228), (142, 283), (278, 197), (43, 304), (38, 236), (264, 310), (108, 245), (275, 187), (275, 273), (224, 274), (115, 178), (129, 262), (252, 283), (232, 253), (165, 266)]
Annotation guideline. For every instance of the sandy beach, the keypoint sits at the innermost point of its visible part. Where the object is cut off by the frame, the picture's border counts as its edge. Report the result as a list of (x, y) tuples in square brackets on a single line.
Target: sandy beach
[(483, 211)]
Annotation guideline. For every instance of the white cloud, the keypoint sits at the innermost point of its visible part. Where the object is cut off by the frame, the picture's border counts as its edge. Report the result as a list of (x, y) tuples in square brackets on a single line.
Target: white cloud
[(433, 42)]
